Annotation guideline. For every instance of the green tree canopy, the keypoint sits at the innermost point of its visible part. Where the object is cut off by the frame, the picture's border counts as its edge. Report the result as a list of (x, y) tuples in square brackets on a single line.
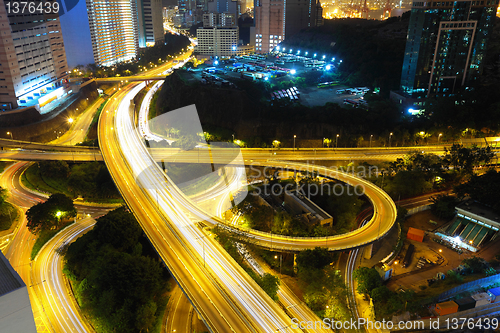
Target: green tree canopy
[(484, 188), (317, 258), (48, 215), (443, 206), (270, 284), (368, 279)]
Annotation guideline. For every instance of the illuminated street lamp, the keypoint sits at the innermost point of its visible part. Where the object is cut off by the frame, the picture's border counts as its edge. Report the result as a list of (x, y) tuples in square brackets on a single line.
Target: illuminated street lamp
[(70, 120), (439, 136), (390, 137), (10, 133), (337, 141), (281, 258), (371, 136), (294, 142)]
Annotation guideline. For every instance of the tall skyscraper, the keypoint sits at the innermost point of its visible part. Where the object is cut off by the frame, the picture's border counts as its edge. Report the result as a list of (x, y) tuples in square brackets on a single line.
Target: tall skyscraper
[(150, 22), (32, 57), (113, 30), (446, 46), (277, 19), (223, 6)]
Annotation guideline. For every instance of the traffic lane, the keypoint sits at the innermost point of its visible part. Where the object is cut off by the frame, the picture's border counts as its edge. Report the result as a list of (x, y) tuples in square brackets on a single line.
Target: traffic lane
[(176, 257), (50, 281)]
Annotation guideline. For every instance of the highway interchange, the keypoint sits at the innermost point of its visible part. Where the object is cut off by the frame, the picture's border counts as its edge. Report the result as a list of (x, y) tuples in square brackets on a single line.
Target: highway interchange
[(224, 295)]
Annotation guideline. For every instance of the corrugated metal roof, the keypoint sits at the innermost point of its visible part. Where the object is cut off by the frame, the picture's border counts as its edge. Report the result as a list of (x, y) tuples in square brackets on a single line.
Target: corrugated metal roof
[(495, 291), (9, 279)]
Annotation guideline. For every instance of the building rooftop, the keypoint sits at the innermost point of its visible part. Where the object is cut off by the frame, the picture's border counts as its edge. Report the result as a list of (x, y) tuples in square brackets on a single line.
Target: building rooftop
[(9, 279), (479, 209), (309, 205)]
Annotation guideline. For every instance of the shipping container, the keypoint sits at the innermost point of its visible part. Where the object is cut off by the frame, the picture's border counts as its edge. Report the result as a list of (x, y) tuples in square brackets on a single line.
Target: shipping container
[(465, 303), (481, 299), (494, 295), (415, 234), (409, 253), (447, 307)]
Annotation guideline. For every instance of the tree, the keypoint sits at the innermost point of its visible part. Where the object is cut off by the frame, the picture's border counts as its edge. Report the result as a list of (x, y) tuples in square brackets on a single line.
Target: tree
[(47, 215), (270, 284), (54, 169), (367, 279), (118, 228), (380, 294), (317, 258), (465, 159), (443, 206), (3, 195), (475, 264), (483, 188)]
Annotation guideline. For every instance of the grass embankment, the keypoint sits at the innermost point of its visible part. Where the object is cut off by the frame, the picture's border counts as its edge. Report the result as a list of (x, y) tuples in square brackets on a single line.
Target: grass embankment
[(152, 105), (3, 165), (92, 131), (44, 237), (32, 179), (8, 214)]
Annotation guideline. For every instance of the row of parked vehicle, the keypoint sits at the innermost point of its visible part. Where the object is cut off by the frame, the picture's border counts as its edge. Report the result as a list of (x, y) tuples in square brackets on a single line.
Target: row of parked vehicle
[(353, 91), (292, 93)]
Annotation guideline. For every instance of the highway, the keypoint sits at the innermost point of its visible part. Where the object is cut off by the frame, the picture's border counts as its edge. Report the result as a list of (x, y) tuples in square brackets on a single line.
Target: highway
[(53, 306), (227, 299), (35, 151)]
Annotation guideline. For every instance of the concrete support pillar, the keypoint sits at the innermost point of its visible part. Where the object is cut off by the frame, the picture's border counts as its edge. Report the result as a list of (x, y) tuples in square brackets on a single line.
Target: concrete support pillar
[(368, 251)]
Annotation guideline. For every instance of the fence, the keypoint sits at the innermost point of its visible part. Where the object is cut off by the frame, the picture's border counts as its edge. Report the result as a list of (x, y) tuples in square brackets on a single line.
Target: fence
[(469, 285), (418, 209)]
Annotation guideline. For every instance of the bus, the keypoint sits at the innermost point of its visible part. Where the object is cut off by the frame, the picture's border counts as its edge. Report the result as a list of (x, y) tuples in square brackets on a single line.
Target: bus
[(325, 84), (351, 102)]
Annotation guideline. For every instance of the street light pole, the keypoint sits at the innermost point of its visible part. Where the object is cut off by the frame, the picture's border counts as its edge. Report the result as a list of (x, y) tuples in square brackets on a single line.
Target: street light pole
[(337, 141), (390, 137), (294, 142), (11, 137), (281, 257), (371, 136), (439, 136)]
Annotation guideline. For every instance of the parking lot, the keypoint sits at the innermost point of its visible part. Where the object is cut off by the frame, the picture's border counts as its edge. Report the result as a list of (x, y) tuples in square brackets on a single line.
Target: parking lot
[(276, 68)]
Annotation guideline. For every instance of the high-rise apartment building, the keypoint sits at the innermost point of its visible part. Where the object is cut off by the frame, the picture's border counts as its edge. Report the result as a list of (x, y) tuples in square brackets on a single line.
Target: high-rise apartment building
[(32, 57), (446, 46), (217, 41), (223, 6), (113, 30), (219, 35), (277, 19), (211, 20), (150, 19)]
